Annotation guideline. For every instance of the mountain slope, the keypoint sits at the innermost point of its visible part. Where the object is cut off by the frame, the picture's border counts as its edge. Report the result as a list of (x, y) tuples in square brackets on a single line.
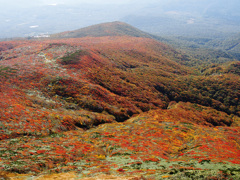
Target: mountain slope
[(207, 50), (230, 44), (105, 29), (117, 105)]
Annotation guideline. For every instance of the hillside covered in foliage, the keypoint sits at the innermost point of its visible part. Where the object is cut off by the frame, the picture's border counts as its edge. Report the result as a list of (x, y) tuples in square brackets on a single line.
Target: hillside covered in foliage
[(118, 106)]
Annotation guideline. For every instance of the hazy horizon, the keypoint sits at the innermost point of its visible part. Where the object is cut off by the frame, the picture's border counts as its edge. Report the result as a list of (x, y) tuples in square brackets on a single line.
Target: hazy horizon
[(22, 18)]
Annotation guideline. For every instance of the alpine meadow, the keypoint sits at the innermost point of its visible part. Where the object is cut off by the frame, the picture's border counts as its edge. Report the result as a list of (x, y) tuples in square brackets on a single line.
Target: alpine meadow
[(117, 100)]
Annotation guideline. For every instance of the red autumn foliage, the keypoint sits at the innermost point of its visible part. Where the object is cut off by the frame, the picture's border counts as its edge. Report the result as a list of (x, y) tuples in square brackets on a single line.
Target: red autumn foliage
[(54, 94)]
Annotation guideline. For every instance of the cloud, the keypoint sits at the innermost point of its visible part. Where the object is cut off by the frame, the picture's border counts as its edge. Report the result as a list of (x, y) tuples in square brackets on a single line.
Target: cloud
[(35, 26)]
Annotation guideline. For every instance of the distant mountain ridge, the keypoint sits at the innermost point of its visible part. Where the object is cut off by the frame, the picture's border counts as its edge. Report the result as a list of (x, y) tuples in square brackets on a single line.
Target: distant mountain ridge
[(116, 28), (209, 50)]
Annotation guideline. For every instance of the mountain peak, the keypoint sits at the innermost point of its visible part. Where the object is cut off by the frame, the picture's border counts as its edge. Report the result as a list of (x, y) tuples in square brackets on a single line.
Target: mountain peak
[(115, 28)]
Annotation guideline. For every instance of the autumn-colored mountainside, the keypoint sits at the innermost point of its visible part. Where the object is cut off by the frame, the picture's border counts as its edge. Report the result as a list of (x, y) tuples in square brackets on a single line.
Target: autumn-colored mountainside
[(115, 105), (198, 52), (116, 28)]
